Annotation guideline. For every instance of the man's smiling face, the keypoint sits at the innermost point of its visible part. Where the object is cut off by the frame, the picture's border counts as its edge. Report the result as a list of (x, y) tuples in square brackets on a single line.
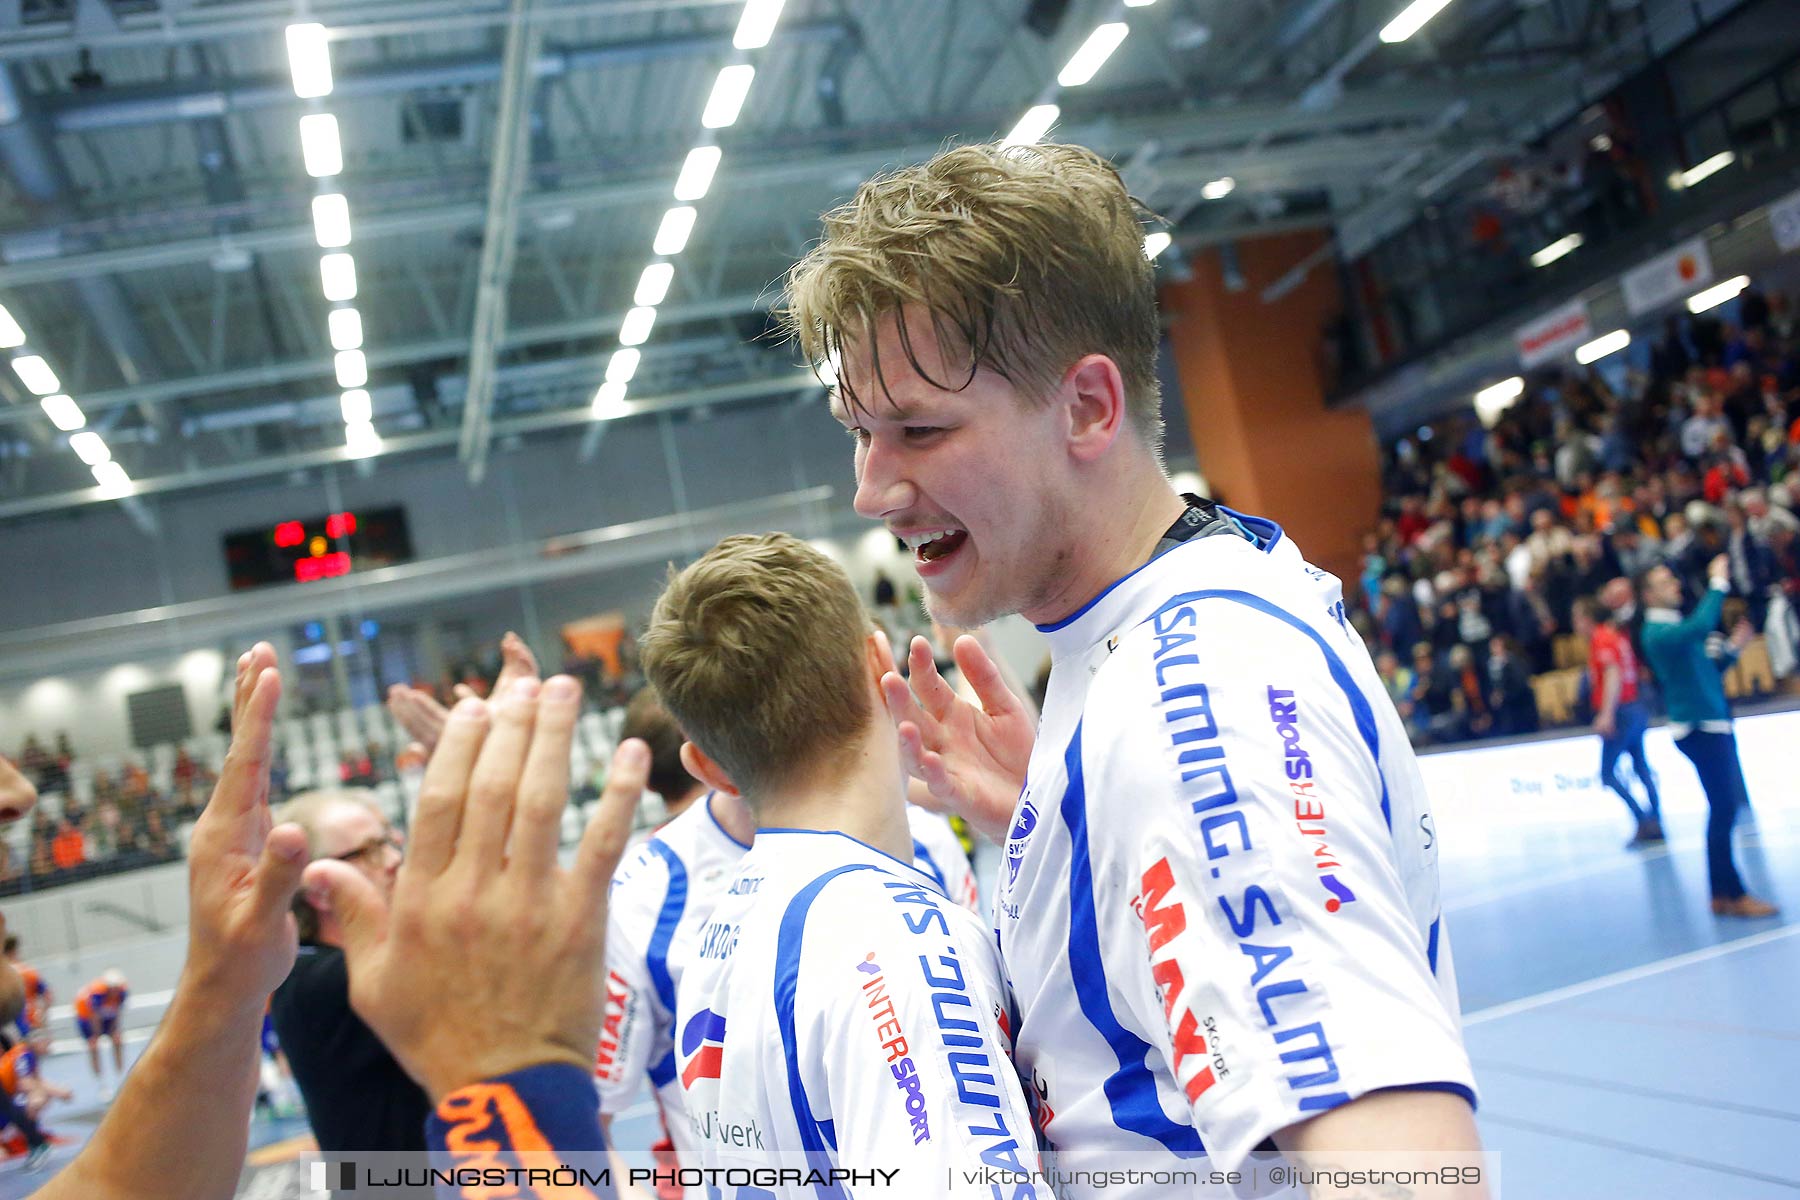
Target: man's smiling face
[(972, 479)]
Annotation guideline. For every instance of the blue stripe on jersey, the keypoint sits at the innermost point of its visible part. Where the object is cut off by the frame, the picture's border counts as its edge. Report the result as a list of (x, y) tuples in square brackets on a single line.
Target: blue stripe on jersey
[(1130, 1090), (707, 800), (1431, 943), (1264, 532), (922, 855), (656, 958), (815, 1136), (1455, 1089), (663, 1073), (1340, 673)]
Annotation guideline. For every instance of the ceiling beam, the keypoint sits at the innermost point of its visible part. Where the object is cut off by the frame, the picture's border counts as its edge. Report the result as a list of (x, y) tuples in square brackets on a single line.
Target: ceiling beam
[(381, 358), (1220, 127), (783, 383), (179, 24), (499, 236)]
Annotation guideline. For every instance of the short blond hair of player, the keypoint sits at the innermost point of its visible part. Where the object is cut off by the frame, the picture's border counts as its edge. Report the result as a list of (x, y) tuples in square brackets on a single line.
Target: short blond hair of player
[(758, 651)]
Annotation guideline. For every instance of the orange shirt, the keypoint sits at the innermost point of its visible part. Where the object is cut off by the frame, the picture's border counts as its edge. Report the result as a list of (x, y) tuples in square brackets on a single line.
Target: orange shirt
[(68, 849), (16, 1066), (37, 995), (96, 999)]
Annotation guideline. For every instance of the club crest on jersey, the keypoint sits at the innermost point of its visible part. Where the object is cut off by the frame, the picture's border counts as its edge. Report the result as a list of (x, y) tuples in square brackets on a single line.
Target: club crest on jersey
[(703, 1047), (1016, 839)]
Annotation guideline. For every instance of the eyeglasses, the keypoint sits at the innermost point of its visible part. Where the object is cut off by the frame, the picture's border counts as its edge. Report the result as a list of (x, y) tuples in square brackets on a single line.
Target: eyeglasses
[(371, 849)]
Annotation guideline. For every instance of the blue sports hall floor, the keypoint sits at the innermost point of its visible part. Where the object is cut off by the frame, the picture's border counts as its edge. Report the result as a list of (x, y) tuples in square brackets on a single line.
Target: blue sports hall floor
[(1626, 1041)]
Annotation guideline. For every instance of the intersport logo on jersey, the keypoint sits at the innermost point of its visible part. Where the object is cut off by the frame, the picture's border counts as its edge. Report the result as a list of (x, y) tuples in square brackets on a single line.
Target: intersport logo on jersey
[(899, 1055)]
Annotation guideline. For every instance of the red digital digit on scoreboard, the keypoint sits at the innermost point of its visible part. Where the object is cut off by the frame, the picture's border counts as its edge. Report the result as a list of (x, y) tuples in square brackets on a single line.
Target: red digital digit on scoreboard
[(325, 566)]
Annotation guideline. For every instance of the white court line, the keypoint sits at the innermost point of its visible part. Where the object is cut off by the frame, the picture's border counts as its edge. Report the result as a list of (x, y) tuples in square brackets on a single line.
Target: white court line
[(1638, 857), (1629, 975)]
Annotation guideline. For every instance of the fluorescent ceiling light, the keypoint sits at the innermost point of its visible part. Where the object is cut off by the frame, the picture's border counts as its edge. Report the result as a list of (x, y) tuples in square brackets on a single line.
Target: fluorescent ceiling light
[(1600, 347), (319, 146), (1218, 189), (361, 440), (757, 24), (331, 220), (11, 336), (36, 374), (309, 57), (609, 401), (1139, 3), (1412, 18), (623, 365), (727, 99), (1093, 53), (352, 368), (1502, 393), (1555, 250), (1032, 126), (358, 409), (89, 446), (697, 173), (1717, 294), (337, 272), (345, 325), (1699, 171), (63, 412), (635, 330), (653, 284), (111, 476), (1156, 243), (672, 234)]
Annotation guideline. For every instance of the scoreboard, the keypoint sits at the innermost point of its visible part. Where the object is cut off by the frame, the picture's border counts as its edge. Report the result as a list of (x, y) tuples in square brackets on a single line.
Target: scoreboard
[(307, 549)]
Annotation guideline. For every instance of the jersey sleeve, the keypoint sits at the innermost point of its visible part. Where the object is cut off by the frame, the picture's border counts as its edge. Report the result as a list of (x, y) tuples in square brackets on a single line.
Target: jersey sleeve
[(1268, 821), (906, 1036), (536, 1119), (633, 1027)]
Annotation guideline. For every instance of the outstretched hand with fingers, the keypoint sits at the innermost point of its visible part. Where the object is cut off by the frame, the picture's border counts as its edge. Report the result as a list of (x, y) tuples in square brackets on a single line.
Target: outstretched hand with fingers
[(243, 870), (490, 958), (418, 712), (516, 662), (971, 758)]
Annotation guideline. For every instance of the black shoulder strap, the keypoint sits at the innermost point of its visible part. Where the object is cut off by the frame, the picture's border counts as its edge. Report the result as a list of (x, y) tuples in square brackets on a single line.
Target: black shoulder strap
[(1201, 518)]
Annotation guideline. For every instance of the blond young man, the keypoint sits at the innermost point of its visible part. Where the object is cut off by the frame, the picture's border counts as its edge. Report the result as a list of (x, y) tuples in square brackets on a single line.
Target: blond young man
[(1219, 902), (840, 1013)]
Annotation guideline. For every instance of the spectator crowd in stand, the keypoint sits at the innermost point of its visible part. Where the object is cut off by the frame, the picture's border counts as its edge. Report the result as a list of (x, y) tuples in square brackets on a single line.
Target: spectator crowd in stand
[(129, 822), (1491, 534)]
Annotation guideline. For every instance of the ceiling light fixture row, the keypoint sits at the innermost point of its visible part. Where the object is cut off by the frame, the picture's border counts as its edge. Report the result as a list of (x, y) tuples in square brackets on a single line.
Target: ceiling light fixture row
[(1082, 66), (322, 152), (724, 104), (39, 378)]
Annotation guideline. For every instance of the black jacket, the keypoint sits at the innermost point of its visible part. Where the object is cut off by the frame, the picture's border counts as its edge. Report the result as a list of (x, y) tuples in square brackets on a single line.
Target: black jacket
[(357, 1097)]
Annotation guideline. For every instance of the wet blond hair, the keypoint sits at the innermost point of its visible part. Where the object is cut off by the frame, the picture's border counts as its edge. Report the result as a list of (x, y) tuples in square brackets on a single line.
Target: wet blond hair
[(756, 649), (1026, 258)]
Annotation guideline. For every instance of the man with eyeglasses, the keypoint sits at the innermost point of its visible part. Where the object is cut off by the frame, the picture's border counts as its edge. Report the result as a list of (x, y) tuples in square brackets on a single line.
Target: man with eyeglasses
[(357, 1096)]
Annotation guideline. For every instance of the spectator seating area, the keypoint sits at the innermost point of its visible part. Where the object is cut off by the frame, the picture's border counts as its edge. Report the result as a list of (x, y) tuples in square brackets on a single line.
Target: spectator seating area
[(106, 813), (1493, 528)]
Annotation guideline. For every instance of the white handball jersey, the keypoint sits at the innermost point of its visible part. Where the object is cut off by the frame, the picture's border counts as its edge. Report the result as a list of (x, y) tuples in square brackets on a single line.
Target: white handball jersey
[(843, 1013), (661, 897), (938, 852), (1218, 904)]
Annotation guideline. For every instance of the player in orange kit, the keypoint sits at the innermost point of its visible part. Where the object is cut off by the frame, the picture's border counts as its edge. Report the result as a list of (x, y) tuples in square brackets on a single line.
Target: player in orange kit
[(98, 1007)]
